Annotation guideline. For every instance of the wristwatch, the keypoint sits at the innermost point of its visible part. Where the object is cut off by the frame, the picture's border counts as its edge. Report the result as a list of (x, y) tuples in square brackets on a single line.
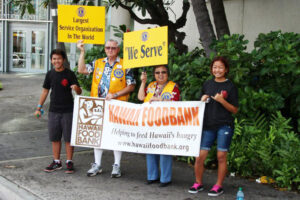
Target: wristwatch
[(116, 95)]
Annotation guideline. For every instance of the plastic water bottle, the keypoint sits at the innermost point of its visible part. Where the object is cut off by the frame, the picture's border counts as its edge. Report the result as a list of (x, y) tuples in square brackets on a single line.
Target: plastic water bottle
[(240, 194)]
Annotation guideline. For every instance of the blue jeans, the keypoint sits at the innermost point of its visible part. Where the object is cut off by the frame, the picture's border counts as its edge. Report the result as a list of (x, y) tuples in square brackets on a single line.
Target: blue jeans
[(165, 161), (223, 135)]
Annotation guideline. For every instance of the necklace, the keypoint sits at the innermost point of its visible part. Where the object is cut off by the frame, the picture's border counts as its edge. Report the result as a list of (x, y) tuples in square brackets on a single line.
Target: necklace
[(159, 89)]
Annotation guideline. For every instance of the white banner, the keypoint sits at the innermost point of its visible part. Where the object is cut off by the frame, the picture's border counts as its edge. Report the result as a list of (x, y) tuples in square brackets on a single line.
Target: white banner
[(170, 128)]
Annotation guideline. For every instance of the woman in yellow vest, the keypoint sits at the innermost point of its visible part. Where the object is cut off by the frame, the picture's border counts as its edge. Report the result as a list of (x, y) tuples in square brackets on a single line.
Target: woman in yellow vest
[(159, 90)]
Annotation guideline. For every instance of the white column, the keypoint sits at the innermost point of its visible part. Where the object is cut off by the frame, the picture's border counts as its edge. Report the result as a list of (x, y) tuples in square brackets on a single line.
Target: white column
[(118, 17)]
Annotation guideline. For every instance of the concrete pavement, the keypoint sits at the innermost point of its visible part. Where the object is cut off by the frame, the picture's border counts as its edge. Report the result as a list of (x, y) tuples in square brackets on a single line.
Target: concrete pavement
[(25, 151)]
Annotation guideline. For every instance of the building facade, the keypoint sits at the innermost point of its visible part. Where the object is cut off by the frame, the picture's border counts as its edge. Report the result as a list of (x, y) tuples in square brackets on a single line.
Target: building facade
[(26, 41)]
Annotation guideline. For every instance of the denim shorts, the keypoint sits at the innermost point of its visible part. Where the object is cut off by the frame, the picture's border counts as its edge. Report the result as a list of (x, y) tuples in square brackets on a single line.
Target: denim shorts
[(223, 136), (60, 124)]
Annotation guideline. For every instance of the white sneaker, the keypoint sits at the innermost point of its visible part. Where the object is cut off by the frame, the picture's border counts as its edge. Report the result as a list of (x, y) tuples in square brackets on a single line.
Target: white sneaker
[(116, 171), (95, 169)]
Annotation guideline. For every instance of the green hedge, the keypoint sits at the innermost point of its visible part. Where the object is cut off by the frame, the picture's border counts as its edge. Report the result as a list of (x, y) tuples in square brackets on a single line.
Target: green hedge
[(266, 148)]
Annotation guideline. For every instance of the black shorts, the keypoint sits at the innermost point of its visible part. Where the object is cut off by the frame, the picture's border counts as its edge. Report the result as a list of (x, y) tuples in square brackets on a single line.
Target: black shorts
[(60, 124)]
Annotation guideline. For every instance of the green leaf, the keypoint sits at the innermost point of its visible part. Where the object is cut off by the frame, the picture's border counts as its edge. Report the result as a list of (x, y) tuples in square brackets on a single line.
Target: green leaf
[(119, 35), (143, 12), (30, 9), (123, 27)]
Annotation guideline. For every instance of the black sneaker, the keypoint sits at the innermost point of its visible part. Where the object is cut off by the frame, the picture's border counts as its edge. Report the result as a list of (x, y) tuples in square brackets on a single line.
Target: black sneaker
[(165, 184), (216, 191), (70, 168), (53, 167), (196, 188), (149, 182)]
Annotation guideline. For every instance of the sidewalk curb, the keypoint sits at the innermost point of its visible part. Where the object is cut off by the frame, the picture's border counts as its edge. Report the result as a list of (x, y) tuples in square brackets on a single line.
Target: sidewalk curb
[(12, 191)]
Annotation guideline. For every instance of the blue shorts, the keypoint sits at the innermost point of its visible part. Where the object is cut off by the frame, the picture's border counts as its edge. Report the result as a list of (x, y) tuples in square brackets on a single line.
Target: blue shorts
[(223, 136)]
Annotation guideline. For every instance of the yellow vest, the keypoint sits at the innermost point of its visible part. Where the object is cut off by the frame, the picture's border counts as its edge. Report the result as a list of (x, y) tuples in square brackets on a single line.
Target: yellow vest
[(165, 94), (117, 78)]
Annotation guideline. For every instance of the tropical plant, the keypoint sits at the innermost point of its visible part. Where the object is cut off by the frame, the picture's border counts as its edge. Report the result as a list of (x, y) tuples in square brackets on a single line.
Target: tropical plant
[(263, 148), (276, 60)]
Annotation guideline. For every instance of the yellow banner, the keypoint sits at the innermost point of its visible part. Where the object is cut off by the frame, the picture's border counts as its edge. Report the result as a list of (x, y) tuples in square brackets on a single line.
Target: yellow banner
[(146, 47), (81, 23)]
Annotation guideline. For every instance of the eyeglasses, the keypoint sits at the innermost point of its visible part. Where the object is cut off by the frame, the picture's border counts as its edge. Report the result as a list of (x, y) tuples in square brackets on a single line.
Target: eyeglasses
[(162, 72), (112, 48)]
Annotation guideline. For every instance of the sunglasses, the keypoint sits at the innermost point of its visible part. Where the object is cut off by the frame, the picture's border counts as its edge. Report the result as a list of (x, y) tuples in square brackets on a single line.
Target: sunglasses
[(162, 72), (111, 48)]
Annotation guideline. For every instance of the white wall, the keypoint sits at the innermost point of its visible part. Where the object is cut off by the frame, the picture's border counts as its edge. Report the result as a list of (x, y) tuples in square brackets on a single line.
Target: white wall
[(118, 17), (251, 17), (263, 16)]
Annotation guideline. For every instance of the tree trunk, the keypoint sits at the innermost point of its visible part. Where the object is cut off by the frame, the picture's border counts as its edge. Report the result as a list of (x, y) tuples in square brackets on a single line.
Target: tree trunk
[(204, 25), (221, 24), (182, 48), (176, 37), (59, 45)]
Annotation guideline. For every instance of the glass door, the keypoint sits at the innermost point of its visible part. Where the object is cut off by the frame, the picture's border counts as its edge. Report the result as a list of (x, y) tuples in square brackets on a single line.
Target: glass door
[(37, 51), (1, 67), (28, 49), (18, 56)]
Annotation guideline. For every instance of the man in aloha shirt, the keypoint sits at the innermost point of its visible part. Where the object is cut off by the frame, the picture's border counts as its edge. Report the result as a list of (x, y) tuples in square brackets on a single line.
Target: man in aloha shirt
[(110, 81)]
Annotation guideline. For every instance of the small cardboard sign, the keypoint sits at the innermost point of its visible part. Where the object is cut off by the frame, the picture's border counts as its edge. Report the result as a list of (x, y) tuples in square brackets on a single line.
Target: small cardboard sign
[(81, 23), (146, 47)]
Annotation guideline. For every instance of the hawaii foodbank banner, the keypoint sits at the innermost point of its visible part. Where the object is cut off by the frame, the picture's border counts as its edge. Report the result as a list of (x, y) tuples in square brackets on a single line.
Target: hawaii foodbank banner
[(146, 47), (87, 123), (81, 23), (172, 128)]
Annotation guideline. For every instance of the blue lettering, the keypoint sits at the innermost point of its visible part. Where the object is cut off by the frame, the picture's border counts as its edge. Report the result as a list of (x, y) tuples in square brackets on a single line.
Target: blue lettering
[(129, 52), (159, 50), (135, 53), (147, 51), (143, 51), (151, 51)]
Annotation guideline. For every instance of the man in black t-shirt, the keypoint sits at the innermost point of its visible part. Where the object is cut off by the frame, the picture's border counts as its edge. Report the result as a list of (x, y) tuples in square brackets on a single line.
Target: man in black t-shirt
[(61, 81)]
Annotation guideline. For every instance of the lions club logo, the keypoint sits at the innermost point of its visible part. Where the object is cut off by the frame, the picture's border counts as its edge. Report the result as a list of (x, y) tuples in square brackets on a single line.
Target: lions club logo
[(145, 36), (119, 73), (166, 96), (80, 11)]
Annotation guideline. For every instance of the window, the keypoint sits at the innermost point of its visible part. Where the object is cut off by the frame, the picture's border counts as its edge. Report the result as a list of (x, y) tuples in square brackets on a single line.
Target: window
[(40, 12)]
